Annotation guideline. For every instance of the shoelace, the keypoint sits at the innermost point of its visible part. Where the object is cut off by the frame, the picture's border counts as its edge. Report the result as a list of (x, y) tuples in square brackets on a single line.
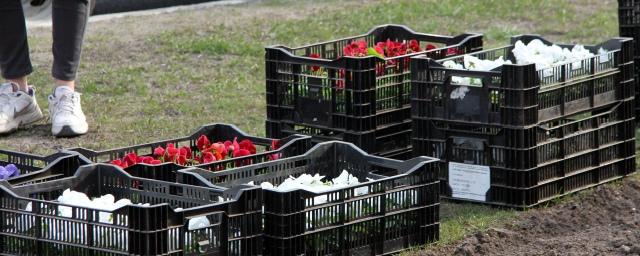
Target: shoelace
[(66, 103)]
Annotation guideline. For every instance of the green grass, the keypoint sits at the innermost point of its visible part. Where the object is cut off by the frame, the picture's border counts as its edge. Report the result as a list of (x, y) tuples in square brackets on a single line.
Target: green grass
[(149, 78)]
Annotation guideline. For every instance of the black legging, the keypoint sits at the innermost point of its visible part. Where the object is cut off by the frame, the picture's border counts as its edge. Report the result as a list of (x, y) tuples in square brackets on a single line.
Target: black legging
[(69, 22)]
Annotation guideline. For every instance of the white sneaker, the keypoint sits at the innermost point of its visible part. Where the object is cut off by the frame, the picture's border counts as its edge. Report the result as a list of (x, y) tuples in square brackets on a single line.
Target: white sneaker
[(17, 108), (66, 116)]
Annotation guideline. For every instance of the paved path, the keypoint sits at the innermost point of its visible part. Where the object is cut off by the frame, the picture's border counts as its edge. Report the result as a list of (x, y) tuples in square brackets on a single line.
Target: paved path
[(41, 16)]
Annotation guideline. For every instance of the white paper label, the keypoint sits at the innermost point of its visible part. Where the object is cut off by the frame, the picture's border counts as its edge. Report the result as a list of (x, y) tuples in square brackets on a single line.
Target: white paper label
[(469, 181)]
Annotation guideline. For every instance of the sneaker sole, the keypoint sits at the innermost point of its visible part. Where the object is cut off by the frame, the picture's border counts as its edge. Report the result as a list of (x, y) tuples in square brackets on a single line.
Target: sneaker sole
[(66, 131)]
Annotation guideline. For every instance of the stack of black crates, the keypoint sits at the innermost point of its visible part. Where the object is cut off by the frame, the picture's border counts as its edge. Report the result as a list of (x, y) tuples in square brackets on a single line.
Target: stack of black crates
[(520, 136), (629, 23), (315, 90)]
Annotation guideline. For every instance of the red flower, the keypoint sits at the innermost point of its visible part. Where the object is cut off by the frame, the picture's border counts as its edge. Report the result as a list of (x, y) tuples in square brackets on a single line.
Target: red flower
[(235, 146), (430, 47), (228, 145), (241, 152), (355, 48), (315, 56), (248, 145), (414, 45), (220, 148), (158, 152), (275, 156), (130, 159), (275, 144), (203, 142), (208, 157), (219, 156), (117, 162), (186, 151), (379, 49), (453, 51), (155, 162), (181, 160), (147, 159), (361, 44), (171, 154)]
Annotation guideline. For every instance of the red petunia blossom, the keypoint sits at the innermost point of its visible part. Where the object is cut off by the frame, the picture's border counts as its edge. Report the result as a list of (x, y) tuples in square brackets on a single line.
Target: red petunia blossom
[(158, 152), (155, 162), (208, 157), (430, 47), (220, 148), (379, 50), (315, 56), (219, 156), (275, 144), (241, 152), (203, 142), (130, 159), (181, 160), (235, 145), (414, 45), (117, 162), (147, 159), (171, 154), (453, 51), (228, 145), (356, 49), (248, 145), (186, 151)]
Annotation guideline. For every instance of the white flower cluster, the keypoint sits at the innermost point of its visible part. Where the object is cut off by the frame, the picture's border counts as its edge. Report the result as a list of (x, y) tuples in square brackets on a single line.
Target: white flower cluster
[(106, 204), (323, 217), (315, 183), (536, 52), (473, 63), (546, 56)]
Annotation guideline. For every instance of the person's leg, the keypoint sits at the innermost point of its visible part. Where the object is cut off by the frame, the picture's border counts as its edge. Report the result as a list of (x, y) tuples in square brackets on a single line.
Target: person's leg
[(14, 50), (69, 22)]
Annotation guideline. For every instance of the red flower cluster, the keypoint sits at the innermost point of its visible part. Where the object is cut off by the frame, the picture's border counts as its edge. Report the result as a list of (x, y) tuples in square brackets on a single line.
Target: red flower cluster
[(131, 159), (356, 49), (206, 152), (386, 49)]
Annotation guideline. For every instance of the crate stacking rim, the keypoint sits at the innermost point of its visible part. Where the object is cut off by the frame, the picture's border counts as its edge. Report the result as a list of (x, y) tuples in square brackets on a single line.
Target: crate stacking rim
[(291, 145), (304, 222)]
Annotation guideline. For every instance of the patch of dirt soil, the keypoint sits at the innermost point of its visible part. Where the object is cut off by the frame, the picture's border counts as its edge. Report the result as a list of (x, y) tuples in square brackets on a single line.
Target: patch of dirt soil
[(605, 221)]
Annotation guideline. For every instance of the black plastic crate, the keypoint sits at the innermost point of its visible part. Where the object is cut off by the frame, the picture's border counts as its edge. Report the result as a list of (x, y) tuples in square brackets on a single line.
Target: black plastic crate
[(289, 146), (629, 22), (520, 95), (396, 210), (526, 166), (31, 224), (334, 97), (31, 163), (59, 165)]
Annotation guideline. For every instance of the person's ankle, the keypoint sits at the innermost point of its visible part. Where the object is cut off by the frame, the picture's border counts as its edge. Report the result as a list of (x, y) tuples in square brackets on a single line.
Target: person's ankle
[(67, 83), (21, 83), (62, 89)]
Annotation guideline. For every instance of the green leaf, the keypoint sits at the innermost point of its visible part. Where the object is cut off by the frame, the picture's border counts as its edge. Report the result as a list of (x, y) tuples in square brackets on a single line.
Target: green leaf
[(372, 52)]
